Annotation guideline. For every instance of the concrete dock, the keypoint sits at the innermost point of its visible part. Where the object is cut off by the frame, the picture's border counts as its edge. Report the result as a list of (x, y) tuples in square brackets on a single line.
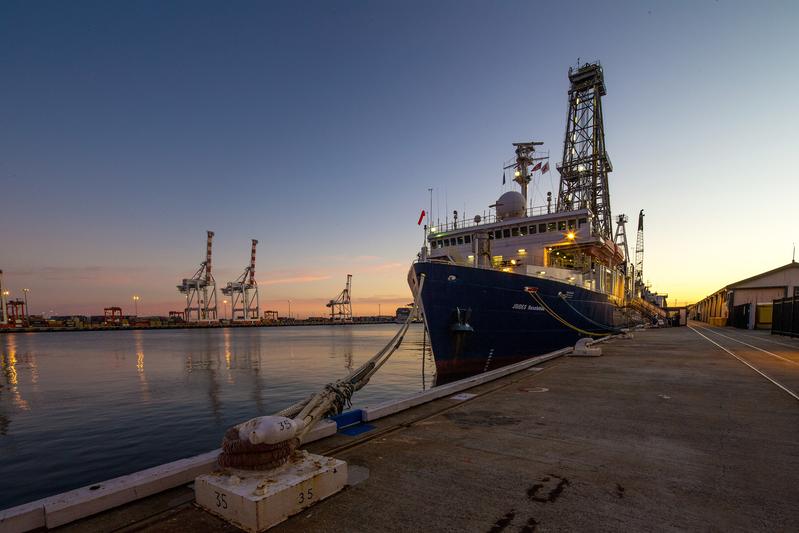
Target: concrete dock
[(690, 428)]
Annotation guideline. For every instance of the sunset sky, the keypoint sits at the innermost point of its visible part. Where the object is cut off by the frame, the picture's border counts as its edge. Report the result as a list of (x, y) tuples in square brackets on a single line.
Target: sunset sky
[(127, 129)]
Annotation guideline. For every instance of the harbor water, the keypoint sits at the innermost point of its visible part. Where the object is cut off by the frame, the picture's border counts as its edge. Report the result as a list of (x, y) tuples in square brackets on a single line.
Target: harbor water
[(79, 408)]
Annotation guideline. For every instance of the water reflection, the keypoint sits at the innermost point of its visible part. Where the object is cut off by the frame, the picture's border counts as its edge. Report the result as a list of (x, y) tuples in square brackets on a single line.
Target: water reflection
[(143, 385), (9, 367), (74, 412)]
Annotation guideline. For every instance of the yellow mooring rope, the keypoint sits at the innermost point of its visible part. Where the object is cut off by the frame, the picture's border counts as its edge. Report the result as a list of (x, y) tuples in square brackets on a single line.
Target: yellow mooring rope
[(540, 301)]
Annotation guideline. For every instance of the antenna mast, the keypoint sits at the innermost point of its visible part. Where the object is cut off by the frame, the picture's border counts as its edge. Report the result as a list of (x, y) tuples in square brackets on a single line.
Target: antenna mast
[(524, 160), (585, 166)]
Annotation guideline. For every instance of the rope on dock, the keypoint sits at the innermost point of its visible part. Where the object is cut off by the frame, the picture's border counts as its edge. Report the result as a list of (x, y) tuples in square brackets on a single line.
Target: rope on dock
[(238, 452)]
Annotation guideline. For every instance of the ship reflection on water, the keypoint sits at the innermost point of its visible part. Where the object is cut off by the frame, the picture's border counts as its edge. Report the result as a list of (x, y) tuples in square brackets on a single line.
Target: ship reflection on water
[(77, 408)]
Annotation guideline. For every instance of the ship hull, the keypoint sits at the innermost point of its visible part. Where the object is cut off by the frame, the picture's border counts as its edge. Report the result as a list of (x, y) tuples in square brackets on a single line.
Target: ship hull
[(481, 319)]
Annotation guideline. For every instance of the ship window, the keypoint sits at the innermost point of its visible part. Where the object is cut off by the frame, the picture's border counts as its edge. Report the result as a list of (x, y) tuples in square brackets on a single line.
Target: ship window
[(498, 234), (467, 239), (446, 242), (572, 224), (523, 231), (433, 244), (514, 232), (550, 226), (532, 229), (460, 240), (561, 225), (440, 244), (542, 228), (490, 236), (506, 233), (582, 221)]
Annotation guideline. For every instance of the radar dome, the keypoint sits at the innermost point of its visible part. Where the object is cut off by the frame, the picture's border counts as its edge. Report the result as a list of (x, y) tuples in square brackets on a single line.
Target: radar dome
[(510, 205)]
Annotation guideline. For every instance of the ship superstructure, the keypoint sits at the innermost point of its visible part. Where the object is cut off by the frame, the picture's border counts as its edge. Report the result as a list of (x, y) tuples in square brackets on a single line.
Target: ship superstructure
[(523, 281), (570, 242)]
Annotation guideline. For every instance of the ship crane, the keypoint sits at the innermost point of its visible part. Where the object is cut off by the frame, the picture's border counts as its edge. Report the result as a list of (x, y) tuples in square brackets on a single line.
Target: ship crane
[(621, 242), (243, 292), (200, 289), (341, 306), (639, 256)]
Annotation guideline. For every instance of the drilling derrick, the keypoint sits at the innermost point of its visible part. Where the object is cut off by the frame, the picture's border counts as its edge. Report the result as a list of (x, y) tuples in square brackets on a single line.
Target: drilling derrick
[(243, 292), (341, 306), (585, 166), (639, 256), (200, 290)]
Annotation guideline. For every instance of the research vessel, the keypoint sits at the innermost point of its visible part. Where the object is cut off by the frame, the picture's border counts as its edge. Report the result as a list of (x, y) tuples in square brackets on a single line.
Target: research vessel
[(522, 280)]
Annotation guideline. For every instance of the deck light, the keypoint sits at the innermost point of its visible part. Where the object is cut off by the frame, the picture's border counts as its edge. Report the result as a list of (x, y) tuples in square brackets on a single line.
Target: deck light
[(570, 235), (517, 173), (542, 272), (512, 261), (522, 251)]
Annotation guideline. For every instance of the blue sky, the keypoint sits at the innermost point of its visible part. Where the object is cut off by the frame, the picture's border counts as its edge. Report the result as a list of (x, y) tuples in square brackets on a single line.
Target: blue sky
[(129, 128)]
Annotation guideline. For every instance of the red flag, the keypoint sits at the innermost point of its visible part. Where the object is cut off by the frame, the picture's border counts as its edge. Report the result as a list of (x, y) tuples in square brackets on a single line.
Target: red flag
[(537, 167), (545, 168), (421, 217)]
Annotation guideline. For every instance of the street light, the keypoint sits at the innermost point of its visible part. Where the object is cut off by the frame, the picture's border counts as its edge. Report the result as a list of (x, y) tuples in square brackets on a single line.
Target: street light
[(225, 303), (136, 304), (27, 311)]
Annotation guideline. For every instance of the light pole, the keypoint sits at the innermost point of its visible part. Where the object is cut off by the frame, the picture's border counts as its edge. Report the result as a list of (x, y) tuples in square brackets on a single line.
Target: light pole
[(136, 299), (4, 303), (225, 303), (27, 311), (289, 308)]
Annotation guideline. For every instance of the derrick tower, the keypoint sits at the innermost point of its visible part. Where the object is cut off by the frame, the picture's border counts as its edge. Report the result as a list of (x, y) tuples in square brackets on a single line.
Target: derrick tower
[(585, 165), (341, 305), (200, 289), (243, 292), (639, 255)]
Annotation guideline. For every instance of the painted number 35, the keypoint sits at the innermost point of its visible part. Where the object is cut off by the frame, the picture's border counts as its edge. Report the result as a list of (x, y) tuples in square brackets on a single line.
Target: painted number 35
[(220, 500), (305, 496)]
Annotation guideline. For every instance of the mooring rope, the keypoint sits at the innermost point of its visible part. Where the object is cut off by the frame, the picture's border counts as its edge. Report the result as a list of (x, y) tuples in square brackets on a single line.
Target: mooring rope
[(610, 329), (540, 301)]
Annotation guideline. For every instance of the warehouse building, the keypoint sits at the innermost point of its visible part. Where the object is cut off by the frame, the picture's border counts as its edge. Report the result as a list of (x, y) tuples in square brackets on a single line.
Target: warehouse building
[(748, 303)]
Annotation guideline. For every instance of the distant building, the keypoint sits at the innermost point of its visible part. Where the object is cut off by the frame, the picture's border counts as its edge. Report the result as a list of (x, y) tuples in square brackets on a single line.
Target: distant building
[(748, 303)]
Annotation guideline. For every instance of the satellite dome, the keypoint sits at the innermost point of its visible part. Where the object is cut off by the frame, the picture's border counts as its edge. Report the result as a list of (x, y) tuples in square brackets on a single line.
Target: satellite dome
[(510, 205)]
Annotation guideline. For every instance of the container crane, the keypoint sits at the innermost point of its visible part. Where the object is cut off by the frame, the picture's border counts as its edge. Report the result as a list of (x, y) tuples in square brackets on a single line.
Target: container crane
[(200, 289), (341, 306), (243, 292)]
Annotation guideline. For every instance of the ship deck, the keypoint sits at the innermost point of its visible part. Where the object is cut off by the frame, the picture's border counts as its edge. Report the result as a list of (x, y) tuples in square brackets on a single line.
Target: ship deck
[(667, 431)]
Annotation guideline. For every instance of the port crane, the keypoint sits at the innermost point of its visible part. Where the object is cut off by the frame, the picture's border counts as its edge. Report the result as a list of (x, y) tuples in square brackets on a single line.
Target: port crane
[(243, 292), (341, 306), (200, 289)]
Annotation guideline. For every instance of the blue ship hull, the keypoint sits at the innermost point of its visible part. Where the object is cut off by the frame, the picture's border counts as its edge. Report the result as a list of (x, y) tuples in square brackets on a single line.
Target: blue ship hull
[(480, 319)]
